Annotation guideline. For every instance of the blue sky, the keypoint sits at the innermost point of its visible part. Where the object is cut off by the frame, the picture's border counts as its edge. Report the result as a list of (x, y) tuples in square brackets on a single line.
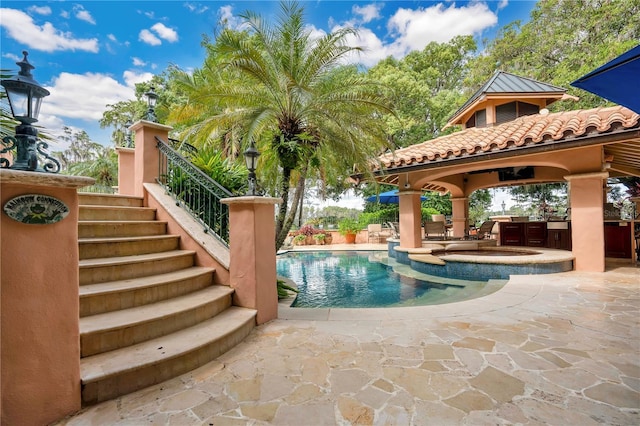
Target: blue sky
[(91, 53)]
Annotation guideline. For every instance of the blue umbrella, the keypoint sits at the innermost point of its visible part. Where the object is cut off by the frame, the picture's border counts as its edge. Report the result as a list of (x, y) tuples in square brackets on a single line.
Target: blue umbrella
[(616, 80), (389, 197)]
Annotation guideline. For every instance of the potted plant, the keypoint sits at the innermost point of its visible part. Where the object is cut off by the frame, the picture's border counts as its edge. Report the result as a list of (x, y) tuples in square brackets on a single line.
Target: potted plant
[(299, 240), (349, 228), (308, 231), (319, 238)]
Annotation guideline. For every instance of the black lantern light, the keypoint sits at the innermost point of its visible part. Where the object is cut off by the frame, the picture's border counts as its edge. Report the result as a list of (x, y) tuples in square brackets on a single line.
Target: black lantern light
[(152, 101), (251, 158), (25, 97)]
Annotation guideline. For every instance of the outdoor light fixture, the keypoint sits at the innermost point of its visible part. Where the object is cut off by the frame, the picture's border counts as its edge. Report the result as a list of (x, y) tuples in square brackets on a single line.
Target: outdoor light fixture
[(251, 158), (127, 132), (152, 101), (25, 97)]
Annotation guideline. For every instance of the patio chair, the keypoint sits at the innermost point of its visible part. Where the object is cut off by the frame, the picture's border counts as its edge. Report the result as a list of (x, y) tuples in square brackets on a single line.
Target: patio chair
[(394, 229), (435, 229), (484, 232), (374, 231)]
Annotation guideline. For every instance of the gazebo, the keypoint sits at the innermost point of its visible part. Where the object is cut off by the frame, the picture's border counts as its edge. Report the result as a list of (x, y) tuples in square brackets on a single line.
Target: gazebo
[(510, 138)]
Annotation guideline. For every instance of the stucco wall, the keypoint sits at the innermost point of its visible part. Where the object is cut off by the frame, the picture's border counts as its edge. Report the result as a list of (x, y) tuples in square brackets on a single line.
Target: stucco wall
[(40, 349)]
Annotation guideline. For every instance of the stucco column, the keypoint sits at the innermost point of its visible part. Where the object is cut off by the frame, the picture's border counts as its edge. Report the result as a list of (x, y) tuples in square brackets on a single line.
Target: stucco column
[(39, 308), (587, 220), (410, 219), (460, 216), (252, 246), (126, 171), (146, 154)]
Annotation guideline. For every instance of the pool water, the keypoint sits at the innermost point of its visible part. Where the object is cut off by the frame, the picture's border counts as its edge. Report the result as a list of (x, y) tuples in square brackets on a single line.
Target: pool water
[(364, 279)]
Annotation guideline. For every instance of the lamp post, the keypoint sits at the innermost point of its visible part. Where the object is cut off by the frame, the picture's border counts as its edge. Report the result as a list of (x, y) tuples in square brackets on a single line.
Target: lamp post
[(152, 101), (251, 158), (25, 97)]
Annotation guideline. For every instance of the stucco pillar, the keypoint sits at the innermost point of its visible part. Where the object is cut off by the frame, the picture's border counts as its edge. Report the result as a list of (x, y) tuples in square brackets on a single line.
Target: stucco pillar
[(39, 308), (252, 246), (460, 216), (587, 220), (126, 171), (146, 154), (410, 219)]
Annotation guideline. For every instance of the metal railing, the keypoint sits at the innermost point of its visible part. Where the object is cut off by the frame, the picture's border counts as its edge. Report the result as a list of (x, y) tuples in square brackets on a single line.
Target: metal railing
[(194, 191), (98, 189)]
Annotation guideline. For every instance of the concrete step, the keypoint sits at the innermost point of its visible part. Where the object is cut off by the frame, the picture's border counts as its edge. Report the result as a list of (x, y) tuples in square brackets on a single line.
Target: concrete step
[(114, 330), (87, 198), (104, 229), (125, 294), (110, 374), (101, 270), (92, 212), (91, 248)]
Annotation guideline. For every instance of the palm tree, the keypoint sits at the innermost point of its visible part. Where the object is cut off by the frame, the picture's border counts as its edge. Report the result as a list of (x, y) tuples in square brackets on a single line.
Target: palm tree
[(291, 93)]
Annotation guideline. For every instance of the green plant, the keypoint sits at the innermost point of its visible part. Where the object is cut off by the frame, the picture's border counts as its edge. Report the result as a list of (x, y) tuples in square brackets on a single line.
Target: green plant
[(284, 289), (299, 239), (319, 238), (307, 230), (349, 226)]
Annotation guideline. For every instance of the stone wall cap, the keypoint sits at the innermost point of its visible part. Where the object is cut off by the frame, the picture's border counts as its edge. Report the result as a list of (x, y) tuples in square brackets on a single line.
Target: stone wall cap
[(44, 179), (251, 199), (144, 123)]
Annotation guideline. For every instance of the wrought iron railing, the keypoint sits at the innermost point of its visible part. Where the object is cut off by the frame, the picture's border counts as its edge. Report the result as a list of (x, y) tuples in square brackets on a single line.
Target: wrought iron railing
[(194, 191), (98, 189)]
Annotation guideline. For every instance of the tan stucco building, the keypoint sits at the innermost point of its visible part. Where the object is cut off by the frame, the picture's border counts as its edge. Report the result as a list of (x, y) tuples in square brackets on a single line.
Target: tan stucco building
[(510, 138)]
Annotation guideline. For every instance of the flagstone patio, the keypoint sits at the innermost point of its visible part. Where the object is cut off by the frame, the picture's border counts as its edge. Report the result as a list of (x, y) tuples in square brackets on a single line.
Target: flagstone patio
[(546, 349)]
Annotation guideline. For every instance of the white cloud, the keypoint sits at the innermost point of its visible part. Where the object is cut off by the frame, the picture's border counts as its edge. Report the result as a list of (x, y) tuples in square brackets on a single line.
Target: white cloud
[(368, 13), (226, 17), (502, 4), (414, 29), (374, 50), (148, 37), (12, 56), (131, 78), (165, 32), (315, 33), (42, 10), (83, 14), (95, 90), (47, 38), (112, 37), (196, 8), (137, 62)]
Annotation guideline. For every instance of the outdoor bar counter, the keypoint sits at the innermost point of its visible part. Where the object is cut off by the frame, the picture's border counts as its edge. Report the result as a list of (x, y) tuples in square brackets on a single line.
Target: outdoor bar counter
[(619, 236)]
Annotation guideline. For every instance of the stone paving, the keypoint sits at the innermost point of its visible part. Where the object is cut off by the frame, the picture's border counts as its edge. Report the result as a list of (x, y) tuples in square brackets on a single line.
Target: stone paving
[(560, 349)]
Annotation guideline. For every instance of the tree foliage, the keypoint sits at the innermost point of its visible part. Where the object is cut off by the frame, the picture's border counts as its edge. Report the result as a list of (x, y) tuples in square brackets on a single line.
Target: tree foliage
[(563, 40), (285, 89), (426, 88), (85, 157)]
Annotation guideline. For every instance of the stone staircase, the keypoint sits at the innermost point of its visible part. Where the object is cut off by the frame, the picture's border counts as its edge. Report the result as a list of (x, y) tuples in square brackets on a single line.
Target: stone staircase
[(147, 312)]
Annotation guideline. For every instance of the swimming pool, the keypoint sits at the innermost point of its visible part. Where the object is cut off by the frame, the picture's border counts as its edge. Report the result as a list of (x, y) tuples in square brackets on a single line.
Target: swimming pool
[(367, 279)]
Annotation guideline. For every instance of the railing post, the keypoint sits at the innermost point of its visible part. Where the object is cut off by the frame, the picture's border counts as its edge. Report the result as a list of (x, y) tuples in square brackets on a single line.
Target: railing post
[(126, 171), (146, 160), (252, 264)]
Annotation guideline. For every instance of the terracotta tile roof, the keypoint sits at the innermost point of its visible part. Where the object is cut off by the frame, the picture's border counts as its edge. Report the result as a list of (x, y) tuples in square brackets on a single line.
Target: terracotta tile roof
[(524, 131)]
